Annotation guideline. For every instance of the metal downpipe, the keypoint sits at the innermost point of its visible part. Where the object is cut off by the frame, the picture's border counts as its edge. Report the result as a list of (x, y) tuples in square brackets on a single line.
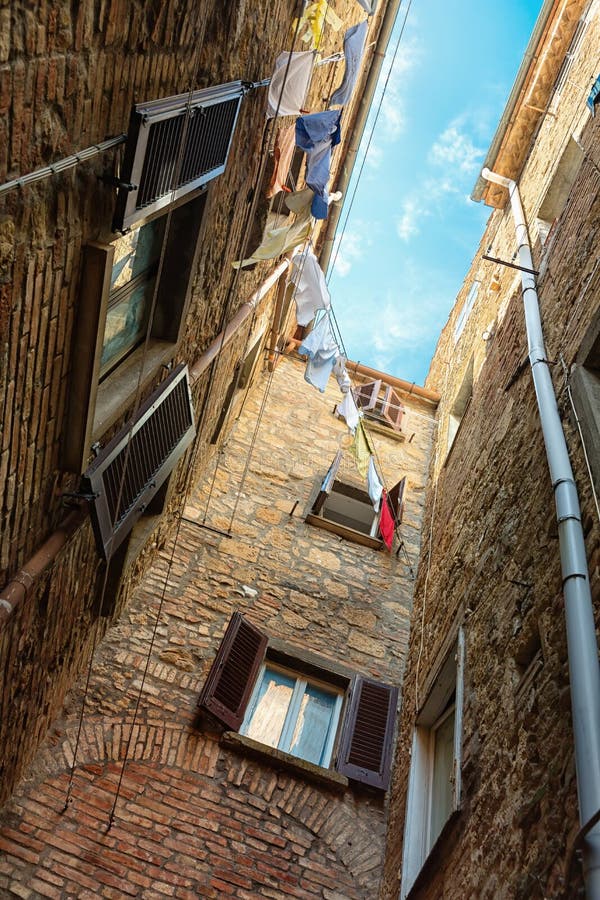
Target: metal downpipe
[(584, 668)]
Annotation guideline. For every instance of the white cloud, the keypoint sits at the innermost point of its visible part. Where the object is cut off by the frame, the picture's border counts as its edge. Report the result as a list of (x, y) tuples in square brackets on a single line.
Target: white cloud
[(392, 119), (350, 247), (455, 149), (407, 225)]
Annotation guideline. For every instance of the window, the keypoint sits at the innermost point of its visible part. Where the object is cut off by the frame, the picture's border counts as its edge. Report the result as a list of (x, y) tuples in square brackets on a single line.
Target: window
[(240, 379), (460, 404), (466, 310), (347, 510), (293, 713), (295, 705), (585, 391), (558, 190), (434, 778), (117, 290), (380, 403)]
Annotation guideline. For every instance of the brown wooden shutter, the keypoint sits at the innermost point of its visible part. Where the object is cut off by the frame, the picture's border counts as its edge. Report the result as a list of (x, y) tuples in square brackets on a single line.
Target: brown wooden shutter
[(392, 409), (232, 675), (327, 483), (156, 169), (132, 467), (365, 752), (365, 396), (396, 500)]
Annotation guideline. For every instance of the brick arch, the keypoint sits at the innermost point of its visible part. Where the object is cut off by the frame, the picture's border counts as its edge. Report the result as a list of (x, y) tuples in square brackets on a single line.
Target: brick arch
[(194, 759)]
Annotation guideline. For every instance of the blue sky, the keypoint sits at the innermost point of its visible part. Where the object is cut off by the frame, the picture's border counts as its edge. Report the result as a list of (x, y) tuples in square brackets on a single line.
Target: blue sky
[(412, 231)]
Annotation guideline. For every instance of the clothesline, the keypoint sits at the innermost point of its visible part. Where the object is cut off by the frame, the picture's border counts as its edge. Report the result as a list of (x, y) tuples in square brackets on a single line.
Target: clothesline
[(317, 134)]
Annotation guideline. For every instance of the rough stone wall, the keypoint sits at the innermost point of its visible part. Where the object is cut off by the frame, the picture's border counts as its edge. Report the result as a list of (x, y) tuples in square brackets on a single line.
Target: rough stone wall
[(196, 818), (494, 561), (69, 74)]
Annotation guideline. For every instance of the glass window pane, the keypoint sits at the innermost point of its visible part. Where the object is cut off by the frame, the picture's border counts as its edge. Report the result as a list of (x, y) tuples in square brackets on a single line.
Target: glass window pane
[(313, 724), (271, 707), (132, 281), (135, 252), (126, 324), (441, 786)]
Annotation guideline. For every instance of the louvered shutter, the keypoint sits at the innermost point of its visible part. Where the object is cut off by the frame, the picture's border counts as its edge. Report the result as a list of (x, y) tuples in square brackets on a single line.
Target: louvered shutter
[(392, 409), (157, 170), (365, 396), (396, 500), (325, 489), (232, 675), (129, 471), (365, 752)]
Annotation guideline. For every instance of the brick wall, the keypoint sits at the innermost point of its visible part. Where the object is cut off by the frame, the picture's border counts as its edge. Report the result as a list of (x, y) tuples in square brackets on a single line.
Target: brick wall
[(494, 561), (196, 817)]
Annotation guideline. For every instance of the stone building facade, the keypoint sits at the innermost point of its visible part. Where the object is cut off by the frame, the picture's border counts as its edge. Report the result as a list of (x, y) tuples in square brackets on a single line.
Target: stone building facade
[(484, 797), (204, 811), (70, 75)]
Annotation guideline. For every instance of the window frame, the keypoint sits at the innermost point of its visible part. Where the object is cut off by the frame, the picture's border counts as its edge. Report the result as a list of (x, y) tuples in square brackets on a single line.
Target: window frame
[(376, 401), (418, 845), (97, 403), (293, 710), (316, 516)]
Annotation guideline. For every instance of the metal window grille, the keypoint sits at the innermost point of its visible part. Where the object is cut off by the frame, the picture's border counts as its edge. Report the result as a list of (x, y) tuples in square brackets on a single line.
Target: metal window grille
[(161, 432), (148, 179)]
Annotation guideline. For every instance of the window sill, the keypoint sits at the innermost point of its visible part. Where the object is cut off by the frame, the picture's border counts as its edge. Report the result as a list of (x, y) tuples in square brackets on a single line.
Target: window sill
[(350, 534), (280, 760), (375, 424), (117, 392)]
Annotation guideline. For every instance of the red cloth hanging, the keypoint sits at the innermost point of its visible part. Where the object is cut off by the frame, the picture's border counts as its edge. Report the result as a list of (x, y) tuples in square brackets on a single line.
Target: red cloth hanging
[(386, 522)]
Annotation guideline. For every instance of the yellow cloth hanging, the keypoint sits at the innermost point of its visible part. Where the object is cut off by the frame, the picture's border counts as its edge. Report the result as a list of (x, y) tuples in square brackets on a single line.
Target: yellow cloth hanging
[(361, 449), (280, 240), (313, 21)]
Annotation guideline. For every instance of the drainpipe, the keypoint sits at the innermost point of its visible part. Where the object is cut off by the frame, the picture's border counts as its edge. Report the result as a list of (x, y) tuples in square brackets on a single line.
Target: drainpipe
[(233, 326), (581, 631)]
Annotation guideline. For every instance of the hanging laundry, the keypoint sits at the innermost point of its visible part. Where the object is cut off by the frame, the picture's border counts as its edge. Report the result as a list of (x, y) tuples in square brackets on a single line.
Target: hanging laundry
[(312, 22), (321, 348), (317, 134), (374, 485), (361, 449), (349, 410), (298, 199), (289, 84), (386, 523), (283, 153), (278, 241), (310, 291), (354, 45), (340, 374), (369, 6)]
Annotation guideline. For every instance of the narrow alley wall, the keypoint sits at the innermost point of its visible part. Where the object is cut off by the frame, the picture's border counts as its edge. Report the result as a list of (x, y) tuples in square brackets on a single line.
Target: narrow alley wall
[(197, 817)]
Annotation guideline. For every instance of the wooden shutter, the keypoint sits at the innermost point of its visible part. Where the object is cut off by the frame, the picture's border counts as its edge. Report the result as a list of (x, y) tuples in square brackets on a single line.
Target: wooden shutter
[(396, 500), (365, 396), (392, 409), (232, 675), (365, 752), (325, 489), (156, 169), (133, 466)]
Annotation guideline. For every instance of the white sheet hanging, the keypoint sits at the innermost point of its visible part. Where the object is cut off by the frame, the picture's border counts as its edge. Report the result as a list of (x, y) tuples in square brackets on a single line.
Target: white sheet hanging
[(287, 94), (311, 291)]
